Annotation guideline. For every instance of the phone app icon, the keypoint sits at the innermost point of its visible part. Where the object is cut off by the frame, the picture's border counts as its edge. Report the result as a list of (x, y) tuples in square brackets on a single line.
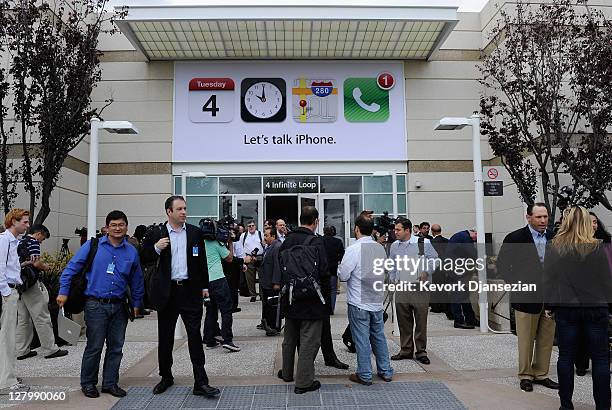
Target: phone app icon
[(365, 101)]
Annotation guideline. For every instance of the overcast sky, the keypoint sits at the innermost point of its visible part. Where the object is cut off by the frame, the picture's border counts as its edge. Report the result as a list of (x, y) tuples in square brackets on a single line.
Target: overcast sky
[(464, 5)]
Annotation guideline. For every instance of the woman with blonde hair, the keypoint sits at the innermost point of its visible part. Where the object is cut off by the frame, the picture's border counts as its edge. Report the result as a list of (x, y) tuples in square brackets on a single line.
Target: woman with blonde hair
[(578, 287)]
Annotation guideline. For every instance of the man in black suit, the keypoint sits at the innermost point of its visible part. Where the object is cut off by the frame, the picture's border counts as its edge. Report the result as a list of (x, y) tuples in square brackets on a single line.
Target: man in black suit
[(177, 288), (439, 300), (521, 258)]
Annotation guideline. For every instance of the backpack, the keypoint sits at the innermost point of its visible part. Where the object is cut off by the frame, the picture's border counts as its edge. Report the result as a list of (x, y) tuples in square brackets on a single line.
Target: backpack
[(78, 284), (300, 269), (29, 274), (149, 266)]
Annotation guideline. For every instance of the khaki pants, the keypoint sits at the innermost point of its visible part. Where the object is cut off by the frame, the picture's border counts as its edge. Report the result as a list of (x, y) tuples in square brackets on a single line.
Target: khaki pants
[(33, 308), (8, 325), (251, 275), (412, 322), (534, 329)]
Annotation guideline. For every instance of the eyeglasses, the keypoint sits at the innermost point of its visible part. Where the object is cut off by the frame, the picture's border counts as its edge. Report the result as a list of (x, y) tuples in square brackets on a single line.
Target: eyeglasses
[(119, 225)]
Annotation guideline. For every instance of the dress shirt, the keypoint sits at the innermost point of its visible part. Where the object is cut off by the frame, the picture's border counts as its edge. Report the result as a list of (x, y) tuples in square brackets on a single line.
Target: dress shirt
[(539, 239), (238, 249), (281, 237), (102, 284), (410, 248), (10, 269), (350, 272), (178, 250), (251, 242)]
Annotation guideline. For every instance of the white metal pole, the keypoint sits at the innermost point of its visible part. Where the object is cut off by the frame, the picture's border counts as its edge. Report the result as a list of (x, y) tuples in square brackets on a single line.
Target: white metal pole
[(92, 179), (480, 223)]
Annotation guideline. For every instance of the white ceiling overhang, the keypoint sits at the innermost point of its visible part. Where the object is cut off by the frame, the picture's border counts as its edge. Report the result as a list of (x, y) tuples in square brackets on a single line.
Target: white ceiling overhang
[(300, 30)]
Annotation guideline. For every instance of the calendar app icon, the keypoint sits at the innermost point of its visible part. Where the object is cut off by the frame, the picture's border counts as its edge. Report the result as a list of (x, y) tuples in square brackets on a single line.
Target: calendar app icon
[(211, 99)]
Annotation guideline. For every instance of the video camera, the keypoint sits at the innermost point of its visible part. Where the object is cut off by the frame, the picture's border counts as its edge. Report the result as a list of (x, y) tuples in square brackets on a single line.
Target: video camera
[(385, 224), (220, 230)]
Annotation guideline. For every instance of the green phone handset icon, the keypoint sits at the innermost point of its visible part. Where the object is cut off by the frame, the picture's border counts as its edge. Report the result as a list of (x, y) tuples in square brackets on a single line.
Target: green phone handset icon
[(365, 101)]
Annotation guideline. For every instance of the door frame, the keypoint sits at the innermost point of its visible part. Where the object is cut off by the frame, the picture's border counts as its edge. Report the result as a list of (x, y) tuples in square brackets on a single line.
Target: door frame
[(249, 197), (346, 221), (315, 197)]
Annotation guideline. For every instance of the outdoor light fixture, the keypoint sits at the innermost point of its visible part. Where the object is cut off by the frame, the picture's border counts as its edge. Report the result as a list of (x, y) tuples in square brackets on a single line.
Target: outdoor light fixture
[(114, 127), (457, 123)]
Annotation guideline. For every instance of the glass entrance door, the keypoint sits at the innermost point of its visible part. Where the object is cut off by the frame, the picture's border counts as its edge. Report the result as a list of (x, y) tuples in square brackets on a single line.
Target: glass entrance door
[(247, 207), (335, 213)]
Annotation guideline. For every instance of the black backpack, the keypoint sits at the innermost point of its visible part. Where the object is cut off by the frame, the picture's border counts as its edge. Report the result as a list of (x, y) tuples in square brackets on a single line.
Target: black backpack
[(150, 266), (78, 284), (300, 269)]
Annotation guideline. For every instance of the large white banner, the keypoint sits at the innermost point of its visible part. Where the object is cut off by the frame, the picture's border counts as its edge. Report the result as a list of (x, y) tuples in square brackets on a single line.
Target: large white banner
[(289, 111)]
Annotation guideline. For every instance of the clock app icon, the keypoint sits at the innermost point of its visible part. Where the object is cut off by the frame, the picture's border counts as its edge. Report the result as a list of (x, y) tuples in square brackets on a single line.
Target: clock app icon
[(263, 100)]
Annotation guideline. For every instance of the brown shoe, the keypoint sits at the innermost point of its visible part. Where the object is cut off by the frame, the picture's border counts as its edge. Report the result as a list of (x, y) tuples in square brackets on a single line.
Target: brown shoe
[(385, 378), (356, 379)]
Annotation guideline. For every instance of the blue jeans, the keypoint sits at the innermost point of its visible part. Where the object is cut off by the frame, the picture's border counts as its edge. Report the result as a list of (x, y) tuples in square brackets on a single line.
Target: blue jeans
[(333, 284), (592, 324), (220, 299), (368, 333), (105, 321)]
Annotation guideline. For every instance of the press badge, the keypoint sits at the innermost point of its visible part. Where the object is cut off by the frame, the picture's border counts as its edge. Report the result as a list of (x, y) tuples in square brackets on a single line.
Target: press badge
[(111, 268), (195, 251)]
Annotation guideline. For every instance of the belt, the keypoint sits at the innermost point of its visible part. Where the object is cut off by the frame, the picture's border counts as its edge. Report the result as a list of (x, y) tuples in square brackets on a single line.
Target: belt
[(114, 301), (180, 282), (12, 285)]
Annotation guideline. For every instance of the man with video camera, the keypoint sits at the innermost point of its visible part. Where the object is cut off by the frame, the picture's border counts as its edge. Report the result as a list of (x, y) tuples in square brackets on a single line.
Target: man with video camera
[(219, 246)]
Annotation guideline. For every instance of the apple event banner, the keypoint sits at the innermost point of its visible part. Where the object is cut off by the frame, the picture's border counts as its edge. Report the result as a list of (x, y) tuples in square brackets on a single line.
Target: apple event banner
[(289, 111)]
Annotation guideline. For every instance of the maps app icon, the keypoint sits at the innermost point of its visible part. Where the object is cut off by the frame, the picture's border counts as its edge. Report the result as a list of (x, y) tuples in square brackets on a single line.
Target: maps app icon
[(314, 100)]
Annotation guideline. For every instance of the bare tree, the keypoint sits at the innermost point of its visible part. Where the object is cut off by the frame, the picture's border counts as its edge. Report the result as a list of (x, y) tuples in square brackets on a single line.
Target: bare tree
[(53, 83), (549, 103)]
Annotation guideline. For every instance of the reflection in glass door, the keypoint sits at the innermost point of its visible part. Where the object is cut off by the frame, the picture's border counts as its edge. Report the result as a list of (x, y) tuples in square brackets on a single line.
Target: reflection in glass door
[(335, 214), (247, 207)]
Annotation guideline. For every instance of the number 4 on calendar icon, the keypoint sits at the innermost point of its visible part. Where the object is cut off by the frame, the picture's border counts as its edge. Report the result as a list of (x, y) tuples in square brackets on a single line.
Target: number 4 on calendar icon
[(211, 99)]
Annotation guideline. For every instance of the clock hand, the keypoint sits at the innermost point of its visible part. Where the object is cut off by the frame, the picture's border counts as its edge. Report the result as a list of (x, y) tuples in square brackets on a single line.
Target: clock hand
[(263, 93)]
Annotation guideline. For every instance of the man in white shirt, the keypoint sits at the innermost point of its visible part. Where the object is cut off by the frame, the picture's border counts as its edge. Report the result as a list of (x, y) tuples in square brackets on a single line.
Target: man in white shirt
[(412, 306), (365, 304), (16, 222), (252, 240)]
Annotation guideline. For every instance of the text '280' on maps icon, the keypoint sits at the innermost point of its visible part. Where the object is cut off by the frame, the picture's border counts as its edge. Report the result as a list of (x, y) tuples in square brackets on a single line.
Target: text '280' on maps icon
[(314, 100)]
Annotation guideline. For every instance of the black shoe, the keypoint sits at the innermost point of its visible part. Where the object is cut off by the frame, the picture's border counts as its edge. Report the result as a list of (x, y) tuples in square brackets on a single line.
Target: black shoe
[(59, 353), (475, 323), (463, 325), (231, 347), (206, 390), (581, 372), (31, 353), (115, 391), (253, 298), (316, 385), (547, 383), (261, 326), (449, 316), (526, 385), (236, 310), (385, 378), (337, 364), (400, 356), (280, 376), (162, 386), (424, 360), (272, 332), (90, 391), (138, 316), (146, 312)]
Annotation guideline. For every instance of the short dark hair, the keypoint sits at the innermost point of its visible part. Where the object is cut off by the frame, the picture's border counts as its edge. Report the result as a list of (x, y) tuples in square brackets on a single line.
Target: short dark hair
[(531, 206), (140, 231), (170, 201), (365, 224), (424, 223), (329, 230), (272, 231), (309, 215), (115, 216), (405, 222), (40, 228)]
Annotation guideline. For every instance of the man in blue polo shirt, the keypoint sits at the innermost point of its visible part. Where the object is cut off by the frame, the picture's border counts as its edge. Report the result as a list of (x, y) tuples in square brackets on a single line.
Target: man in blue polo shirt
[(116, 267)]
